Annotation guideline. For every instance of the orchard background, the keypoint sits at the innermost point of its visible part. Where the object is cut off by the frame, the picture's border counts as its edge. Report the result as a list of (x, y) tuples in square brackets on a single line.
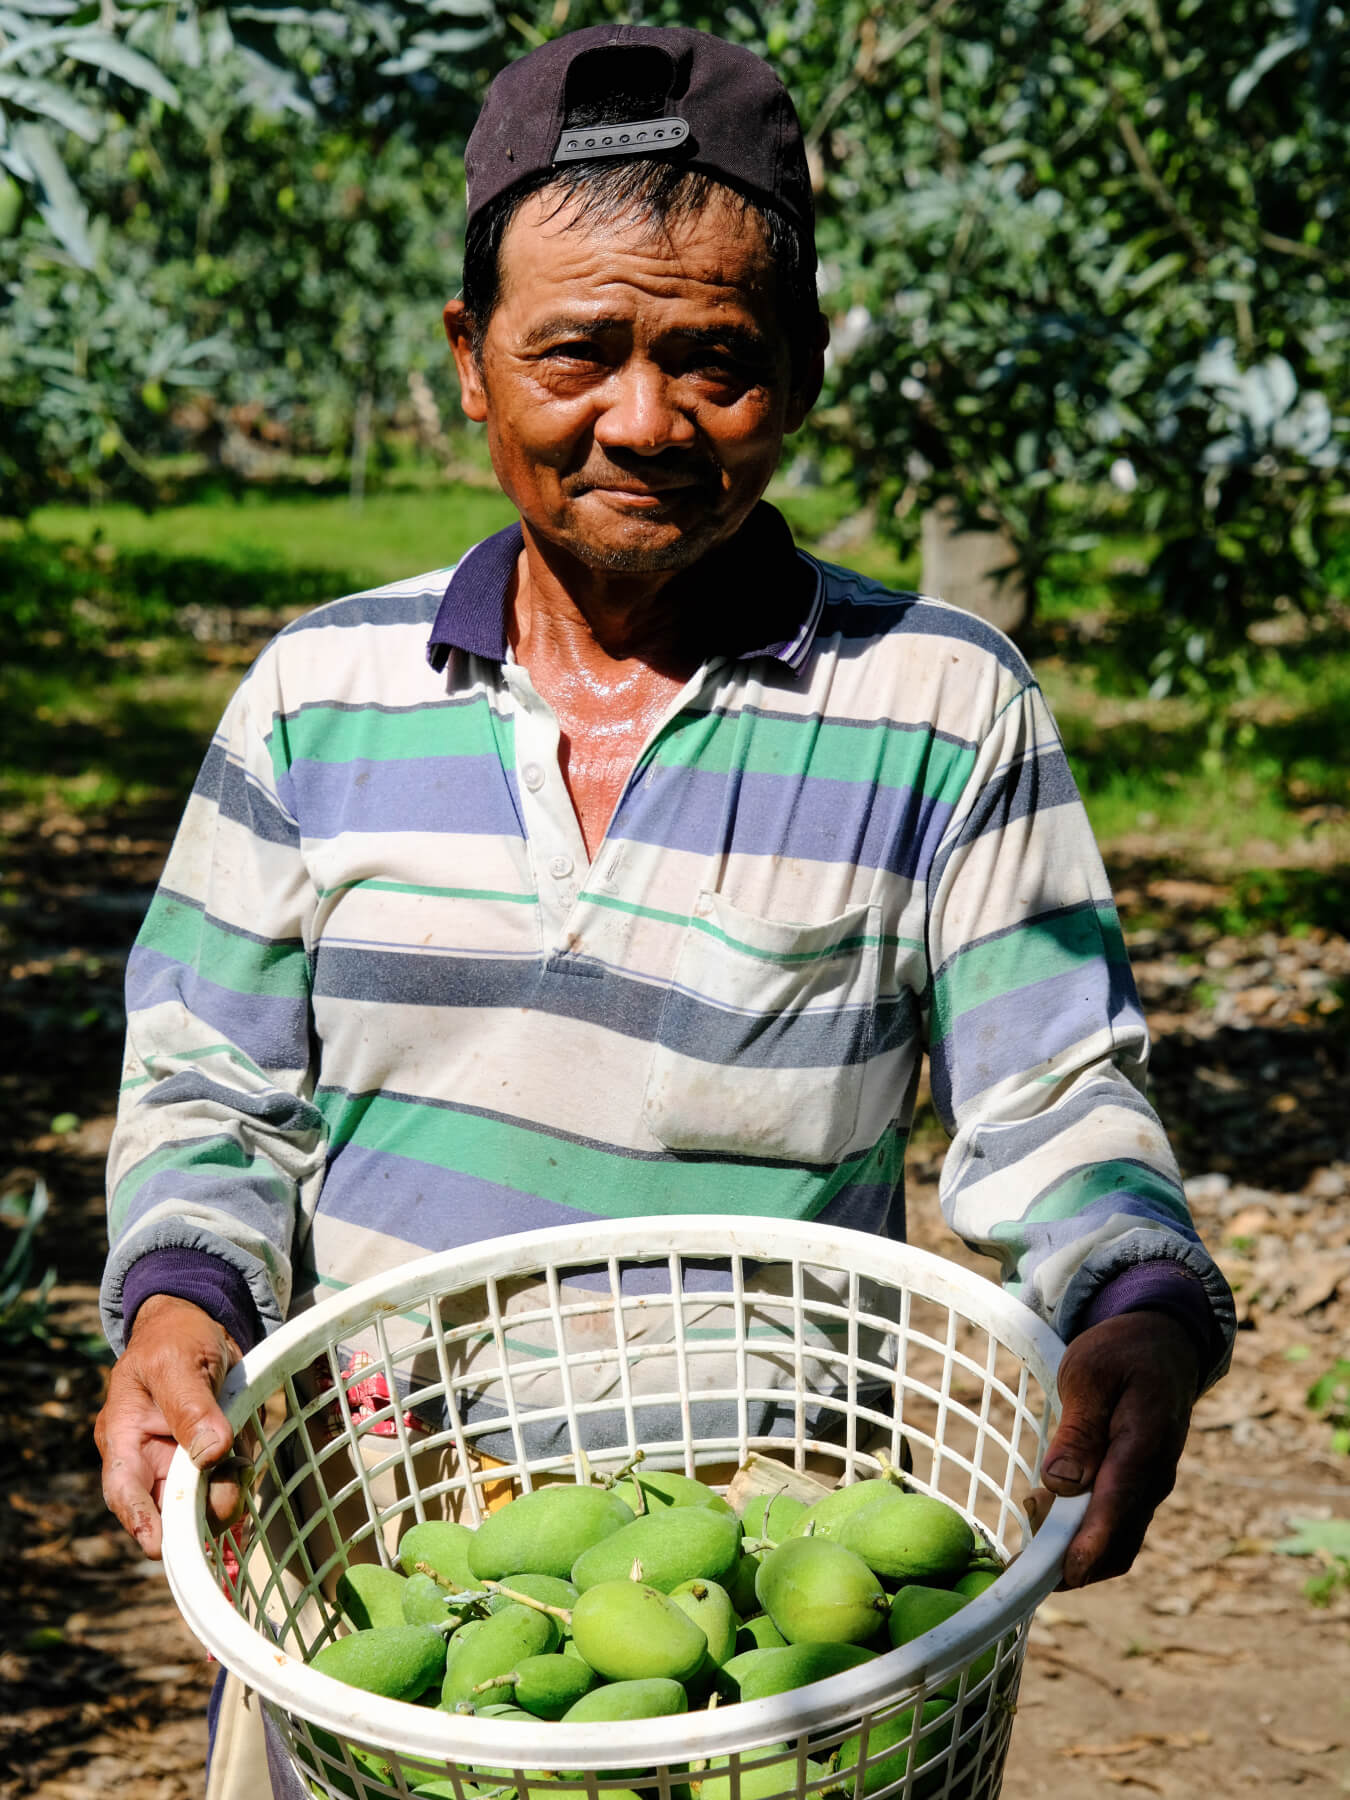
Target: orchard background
[(1086, 266)]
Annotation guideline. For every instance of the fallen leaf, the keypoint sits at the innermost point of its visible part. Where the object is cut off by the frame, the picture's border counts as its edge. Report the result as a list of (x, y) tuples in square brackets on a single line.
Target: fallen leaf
[(1142, 1740), (1302, 1746)]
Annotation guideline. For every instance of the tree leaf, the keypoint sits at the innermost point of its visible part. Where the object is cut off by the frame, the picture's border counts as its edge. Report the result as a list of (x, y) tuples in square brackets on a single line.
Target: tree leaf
[(61, 206), (104, 52), (52, 102), (1275, 52)]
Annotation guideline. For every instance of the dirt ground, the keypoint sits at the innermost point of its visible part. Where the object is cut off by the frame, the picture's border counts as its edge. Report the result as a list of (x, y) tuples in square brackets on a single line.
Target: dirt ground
[(1206, 1672)]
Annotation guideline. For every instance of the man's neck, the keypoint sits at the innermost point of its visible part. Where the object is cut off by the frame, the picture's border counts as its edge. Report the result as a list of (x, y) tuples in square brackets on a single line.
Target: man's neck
[(749, 591), (599, 618)]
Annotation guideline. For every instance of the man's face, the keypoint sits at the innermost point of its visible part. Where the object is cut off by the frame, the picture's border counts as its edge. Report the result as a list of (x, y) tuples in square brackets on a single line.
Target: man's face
[(635, 383)]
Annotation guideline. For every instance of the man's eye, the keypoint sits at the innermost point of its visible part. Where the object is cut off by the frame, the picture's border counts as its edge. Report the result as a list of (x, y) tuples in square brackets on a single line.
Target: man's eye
[(580, 350)]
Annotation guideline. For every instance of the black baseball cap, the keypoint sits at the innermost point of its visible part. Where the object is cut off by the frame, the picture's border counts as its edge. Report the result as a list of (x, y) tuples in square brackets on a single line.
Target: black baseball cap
[(688, 96)]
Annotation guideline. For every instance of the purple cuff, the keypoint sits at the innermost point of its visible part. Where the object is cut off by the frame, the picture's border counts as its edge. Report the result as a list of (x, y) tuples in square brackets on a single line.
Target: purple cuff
[(1165, 1287), (207, 1281)]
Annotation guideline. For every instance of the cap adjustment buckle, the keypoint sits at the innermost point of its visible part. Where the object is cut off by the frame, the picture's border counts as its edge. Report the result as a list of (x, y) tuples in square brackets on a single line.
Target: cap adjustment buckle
[(636, 138)]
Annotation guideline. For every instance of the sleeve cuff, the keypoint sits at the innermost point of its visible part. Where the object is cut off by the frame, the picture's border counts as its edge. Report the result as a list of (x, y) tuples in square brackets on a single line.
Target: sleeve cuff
[(207, 1281), (1166, 1287)]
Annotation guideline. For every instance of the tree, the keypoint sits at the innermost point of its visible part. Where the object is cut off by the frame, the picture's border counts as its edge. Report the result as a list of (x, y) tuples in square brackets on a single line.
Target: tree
[(1060, 238)]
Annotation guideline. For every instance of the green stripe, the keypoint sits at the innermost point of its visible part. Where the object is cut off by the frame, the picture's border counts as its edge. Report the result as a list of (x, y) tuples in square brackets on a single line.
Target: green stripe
[(217, 1153), (880, 755), (230, 1051), (1036, 951), (332, 734), (180, 929), (686, 922), (433, 893), (1072, 1196), (589, 1177)]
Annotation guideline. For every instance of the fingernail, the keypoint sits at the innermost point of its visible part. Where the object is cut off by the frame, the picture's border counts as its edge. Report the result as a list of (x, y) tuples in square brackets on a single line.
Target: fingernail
[(1064, 1468), (201, 1449)]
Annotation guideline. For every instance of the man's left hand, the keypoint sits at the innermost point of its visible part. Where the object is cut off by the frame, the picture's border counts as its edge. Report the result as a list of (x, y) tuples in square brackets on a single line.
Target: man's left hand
[(1127, 1387)]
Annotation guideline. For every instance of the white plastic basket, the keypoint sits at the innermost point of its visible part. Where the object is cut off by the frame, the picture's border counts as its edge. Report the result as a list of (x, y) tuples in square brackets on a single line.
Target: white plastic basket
[(697, 1340)]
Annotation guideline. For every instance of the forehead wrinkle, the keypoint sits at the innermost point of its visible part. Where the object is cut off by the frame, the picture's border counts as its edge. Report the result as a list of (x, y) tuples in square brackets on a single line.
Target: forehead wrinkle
[(654, 242)]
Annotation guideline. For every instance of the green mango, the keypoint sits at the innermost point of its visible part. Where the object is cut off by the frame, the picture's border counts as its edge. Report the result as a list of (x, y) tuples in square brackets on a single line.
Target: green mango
[(423, 1601), (485, 1648), (369, 1766), (824, 1516), (443, 1546), (398, 1661), (680, 1543), (369, 1594), (771, 1516), (916, 1609), (740, 1584), (664, 1488), (895, 1731), (630, 1631), (760, 1673), (975, 1582), (817, 1592), (753, 1783), (543, 1533), (545, 1686), (909, 1537), (653, 1698), (549, 1588), (758, 1633), (709, 1606), (491, 1781)]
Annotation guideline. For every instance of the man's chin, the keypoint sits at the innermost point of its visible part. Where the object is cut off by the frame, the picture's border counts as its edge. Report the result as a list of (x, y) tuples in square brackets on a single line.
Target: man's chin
[(662, 550)]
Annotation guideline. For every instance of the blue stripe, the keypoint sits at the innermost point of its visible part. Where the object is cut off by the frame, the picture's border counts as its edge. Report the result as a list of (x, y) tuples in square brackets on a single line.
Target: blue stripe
[(1042, 1238), (860, 608), (440, 1209), (272, 1030), (1037, 782), (262, 1206), (1010, 1035), (273, 1107), (240, 799), (370, 609), (429, 1207), (999, 1147), (469, 794), (825, 1037), (712, 814)]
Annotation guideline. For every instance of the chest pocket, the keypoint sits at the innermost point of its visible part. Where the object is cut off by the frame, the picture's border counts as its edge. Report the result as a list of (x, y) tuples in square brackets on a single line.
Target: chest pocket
[(765, 1034)]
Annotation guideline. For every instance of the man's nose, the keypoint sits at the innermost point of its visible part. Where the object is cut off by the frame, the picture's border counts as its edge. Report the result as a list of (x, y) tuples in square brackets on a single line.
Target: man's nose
[(643, 412)]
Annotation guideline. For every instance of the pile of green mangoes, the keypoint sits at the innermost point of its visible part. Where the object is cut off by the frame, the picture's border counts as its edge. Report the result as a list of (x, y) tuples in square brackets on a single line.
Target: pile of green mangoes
[(647, 1595)]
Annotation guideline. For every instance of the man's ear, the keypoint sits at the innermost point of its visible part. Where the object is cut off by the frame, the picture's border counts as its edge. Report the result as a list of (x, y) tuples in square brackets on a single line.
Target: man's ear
[(472, 396), (807, 391)]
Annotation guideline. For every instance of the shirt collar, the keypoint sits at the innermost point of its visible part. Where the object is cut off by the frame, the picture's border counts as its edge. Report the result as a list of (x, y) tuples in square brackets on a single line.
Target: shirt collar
[(760, 560)]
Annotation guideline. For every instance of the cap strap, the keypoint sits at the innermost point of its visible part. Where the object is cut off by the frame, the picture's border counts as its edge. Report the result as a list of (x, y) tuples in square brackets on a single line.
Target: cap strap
[(638, 138)]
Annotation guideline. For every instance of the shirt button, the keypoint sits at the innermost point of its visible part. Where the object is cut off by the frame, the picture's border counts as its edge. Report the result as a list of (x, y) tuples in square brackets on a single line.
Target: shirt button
[(560, 868), (534, 777)]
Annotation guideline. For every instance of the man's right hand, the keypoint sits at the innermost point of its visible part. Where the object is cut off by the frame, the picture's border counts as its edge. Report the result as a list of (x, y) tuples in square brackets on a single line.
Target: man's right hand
[(162, 1393)]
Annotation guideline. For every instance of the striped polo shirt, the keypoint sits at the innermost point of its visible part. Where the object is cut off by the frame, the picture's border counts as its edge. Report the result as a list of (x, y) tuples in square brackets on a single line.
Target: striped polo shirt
[(384, 1003)]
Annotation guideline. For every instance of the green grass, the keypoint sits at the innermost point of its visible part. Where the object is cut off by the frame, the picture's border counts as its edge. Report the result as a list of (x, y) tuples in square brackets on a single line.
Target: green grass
[(393, 534)]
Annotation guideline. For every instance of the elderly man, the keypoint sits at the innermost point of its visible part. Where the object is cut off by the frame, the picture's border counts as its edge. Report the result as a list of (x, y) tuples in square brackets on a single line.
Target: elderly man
[(631, 866)]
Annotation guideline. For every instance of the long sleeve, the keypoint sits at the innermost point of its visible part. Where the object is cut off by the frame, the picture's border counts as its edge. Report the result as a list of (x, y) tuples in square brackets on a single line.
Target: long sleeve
[(218, 1146), (1059, 1167)]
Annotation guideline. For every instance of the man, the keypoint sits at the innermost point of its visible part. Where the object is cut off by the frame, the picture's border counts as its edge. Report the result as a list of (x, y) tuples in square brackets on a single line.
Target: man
[(631, 866)]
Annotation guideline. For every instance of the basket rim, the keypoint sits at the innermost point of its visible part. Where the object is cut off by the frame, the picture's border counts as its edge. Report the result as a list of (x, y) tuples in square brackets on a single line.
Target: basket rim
[(417, 1731)]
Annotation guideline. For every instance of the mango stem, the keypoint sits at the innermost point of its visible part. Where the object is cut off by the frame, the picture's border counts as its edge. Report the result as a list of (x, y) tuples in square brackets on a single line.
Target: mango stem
[(496, 1681), (558, 1612)]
